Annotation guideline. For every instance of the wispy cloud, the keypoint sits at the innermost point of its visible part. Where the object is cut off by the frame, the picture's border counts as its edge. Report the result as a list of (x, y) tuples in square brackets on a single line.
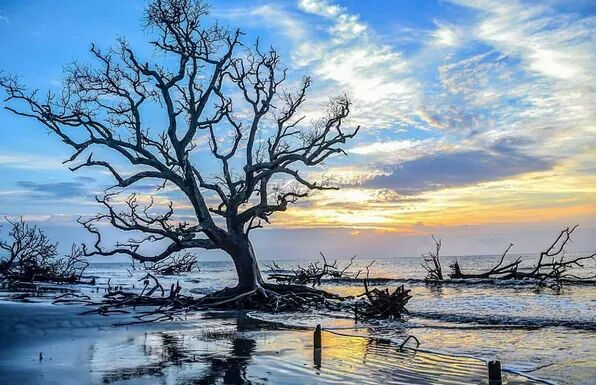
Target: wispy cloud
[(353, 60), (446, 35), (30, 161), (277, 16), (484, 115)]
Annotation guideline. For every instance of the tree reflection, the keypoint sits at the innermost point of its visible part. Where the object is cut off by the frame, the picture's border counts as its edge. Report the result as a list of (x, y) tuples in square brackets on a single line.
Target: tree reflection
[(230, 369), (178, 352)]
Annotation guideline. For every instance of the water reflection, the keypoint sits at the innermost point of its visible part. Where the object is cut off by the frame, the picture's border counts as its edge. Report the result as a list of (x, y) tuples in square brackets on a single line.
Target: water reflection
[(231, 369), (435, 290), (223, 348), (191, 356), (234, 349)]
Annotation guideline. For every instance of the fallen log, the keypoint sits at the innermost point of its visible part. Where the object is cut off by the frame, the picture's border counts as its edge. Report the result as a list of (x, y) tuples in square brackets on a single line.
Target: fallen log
[(310, 274), (551, 269)]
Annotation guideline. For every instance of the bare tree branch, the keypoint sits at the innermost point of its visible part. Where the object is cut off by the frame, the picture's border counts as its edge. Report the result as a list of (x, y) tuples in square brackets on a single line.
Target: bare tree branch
[(108, 108)]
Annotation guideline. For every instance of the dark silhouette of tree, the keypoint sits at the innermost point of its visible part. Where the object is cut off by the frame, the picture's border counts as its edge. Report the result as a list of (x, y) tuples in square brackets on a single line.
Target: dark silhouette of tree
[(552, 268), (208, 84), (432, 262), (28, 255)]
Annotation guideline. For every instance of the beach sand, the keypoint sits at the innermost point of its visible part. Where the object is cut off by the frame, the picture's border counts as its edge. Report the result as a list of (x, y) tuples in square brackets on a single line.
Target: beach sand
[(53, 344)]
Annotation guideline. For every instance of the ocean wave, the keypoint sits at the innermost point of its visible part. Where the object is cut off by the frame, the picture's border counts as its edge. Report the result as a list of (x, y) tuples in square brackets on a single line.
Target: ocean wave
[(503, 321), (455, 282)]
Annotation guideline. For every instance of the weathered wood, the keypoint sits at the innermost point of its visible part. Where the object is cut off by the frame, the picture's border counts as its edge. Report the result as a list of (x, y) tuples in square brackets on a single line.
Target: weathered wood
[(310, 274), (28, 255), (173, 265), (432, 263), (552, 268), (318, 337), (382, 303), (494, 373)]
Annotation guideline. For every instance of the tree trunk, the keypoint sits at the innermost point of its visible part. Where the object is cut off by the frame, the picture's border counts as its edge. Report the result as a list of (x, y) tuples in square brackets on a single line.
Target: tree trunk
[(248, 272)]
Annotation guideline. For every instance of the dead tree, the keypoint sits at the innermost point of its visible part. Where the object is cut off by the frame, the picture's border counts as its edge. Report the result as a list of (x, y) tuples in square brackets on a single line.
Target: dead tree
[(173, 265), (202, 77), (310, 274), (552, 267), (498, 270), (31, 256), (432, 263), (26, 243)]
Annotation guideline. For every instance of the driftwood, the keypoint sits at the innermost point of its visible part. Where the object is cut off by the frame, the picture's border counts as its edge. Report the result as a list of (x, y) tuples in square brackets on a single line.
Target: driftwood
[(173, 265), (310, 274), (498, 270), (382, 303), (551, 269), (432, 262), (158, 303), (29, 256)]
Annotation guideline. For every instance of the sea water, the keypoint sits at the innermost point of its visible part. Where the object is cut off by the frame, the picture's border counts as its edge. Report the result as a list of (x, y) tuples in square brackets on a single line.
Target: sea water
[(533, 330)]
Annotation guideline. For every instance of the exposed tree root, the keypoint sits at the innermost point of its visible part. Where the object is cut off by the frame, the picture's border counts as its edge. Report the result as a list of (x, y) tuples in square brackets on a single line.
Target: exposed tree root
[(163, 304), (270, 297)]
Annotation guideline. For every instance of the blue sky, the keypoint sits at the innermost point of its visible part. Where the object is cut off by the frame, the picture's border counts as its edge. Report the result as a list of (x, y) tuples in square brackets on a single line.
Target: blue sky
[(478, 118)]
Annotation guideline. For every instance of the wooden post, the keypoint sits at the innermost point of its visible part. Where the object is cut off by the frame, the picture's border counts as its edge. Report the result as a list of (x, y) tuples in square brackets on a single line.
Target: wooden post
[(318, 358), (318, 347), (318, 337), (494, 373)]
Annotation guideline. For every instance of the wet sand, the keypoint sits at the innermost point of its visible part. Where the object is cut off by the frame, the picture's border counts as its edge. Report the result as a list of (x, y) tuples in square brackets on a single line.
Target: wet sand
[(207, 348)]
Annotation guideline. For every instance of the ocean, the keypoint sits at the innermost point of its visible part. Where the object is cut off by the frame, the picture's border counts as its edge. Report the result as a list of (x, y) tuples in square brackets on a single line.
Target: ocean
[(535, 331)]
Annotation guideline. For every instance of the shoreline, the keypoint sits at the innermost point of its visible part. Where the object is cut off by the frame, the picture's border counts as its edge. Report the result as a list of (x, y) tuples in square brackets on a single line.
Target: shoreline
[(228, 346), (472, 322)]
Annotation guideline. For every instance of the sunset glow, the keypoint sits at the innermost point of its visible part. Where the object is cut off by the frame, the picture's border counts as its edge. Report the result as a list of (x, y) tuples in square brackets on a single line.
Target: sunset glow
[(472, 114)]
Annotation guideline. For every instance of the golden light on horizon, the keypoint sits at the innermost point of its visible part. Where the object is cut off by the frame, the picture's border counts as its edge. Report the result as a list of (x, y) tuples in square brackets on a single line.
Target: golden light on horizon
[(559, 193)]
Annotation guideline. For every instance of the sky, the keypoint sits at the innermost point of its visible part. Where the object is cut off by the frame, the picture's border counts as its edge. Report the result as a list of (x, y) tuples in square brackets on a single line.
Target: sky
[(477, 120)]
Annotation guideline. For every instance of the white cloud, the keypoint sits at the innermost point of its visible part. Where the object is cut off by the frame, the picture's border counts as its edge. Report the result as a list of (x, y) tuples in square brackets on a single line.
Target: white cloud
[(446, 35), (557, 46), (275, 15), (537, 82), (320, 7), (370, 71), (391, 146), (351, 57)]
